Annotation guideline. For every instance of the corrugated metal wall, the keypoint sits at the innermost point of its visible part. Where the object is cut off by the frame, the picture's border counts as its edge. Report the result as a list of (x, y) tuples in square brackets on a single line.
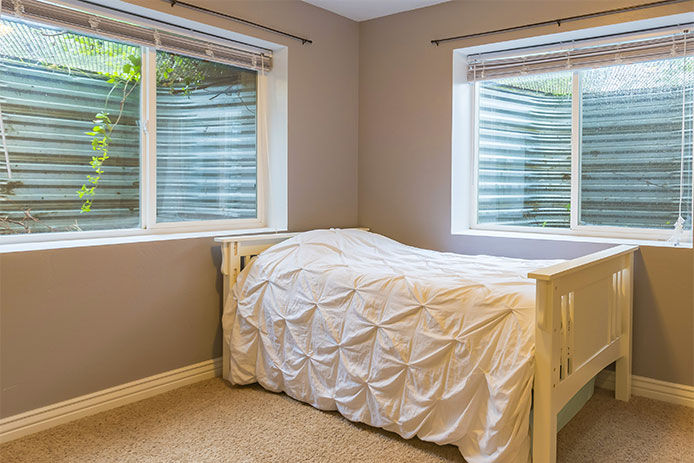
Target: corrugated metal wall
[(524, 157), (206, 151), (46, 114), (630, 158)]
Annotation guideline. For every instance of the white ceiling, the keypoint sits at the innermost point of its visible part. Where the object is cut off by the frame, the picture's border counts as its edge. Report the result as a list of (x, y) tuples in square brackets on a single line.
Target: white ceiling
[(362, 10)]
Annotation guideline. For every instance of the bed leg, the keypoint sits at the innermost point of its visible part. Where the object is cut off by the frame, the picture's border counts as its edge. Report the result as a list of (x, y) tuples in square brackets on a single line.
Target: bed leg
[(544, 433), (622, 386)]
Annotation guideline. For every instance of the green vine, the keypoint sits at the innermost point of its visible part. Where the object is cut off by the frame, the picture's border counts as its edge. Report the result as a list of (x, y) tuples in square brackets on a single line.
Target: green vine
[(181, 75), (101, 132)]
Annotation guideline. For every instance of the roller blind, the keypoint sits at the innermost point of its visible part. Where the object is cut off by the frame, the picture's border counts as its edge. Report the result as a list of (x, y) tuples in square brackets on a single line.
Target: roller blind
[(100, 25), (587, 54)]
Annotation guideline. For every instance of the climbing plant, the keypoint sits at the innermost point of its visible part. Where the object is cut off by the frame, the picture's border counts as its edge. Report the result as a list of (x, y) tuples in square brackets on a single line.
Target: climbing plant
[(179, 74), (128, 79)]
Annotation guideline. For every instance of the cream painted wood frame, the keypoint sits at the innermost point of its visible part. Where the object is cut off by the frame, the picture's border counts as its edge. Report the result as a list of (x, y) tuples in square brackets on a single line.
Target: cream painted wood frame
[(583, 324)]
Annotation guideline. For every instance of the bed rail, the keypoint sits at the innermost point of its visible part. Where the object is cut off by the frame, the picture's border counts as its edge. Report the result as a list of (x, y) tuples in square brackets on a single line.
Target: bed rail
[(583, 323)]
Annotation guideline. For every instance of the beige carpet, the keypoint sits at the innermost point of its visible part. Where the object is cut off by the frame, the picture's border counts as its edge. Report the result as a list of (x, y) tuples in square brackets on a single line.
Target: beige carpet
[(213, 422)]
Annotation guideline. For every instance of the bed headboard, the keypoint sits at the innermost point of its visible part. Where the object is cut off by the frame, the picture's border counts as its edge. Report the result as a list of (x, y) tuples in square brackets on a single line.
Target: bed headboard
[(235, 252), (237, 249)]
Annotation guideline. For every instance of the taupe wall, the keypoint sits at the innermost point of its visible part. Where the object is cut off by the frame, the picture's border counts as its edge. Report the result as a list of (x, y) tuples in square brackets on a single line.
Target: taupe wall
[(74, 321), (405, 159)]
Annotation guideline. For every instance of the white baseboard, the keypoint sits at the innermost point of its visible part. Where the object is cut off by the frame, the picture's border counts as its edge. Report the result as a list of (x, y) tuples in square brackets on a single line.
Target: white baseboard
[(20, 425), (679, 394)]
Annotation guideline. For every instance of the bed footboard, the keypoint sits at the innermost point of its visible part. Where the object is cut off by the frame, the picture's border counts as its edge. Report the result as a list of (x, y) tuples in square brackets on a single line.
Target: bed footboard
[(583, 323)]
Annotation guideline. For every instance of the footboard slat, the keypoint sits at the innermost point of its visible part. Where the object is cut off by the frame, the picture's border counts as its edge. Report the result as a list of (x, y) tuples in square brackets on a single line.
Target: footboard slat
[(584, 310)]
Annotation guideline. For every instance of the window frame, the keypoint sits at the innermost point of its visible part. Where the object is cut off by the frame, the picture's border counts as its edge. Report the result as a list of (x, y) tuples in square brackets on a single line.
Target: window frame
[(575, 229), (148, 161), (147, 201)]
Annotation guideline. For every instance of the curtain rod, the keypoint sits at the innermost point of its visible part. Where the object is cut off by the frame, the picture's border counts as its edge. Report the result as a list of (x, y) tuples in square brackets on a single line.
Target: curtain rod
[(683, 28), (174, 26), (560, 20), (303, 40)]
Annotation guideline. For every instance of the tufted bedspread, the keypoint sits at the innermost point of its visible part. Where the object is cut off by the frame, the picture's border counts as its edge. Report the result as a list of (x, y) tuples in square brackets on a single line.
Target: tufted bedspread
[(421, 343)]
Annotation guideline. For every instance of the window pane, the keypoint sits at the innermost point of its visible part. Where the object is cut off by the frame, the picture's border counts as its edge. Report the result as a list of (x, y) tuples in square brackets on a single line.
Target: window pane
[(206, 140), (524, 152), (631, 144), (53, 83)]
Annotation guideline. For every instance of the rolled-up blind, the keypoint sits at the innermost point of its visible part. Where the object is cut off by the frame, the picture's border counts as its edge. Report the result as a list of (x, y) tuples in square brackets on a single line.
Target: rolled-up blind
[(584, 54), (100, 25)]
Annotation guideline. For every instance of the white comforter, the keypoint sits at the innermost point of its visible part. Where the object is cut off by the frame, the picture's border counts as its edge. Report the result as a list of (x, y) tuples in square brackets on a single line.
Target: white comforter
[(418, 342)]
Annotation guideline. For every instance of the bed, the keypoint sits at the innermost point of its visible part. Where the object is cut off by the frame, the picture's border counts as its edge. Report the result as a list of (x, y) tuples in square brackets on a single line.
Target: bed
[(451, 348)]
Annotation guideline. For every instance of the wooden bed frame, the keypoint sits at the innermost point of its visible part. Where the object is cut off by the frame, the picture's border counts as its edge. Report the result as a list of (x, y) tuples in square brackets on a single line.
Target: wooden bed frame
[(583, 324)]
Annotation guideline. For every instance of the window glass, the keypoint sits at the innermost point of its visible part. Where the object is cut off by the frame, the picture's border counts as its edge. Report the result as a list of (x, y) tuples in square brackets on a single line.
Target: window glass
[(70, 113), (524, 151), (632, 170), (206, 140), (631, 139)]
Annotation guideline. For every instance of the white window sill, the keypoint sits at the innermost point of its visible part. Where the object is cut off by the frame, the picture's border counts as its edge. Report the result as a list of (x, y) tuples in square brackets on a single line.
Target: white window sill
[(574, 238), (134, 236)]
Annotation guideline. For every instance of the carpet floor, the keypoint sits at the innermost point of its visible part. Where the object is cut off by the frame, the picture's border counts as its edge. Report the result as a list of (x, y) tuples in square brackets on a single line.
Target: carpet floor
[(213, 422)]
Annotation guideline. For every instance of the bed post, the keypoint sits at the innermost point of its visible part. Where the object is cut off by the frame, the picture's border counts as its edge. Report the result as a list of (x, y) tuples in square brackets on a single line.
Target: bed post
[(546, 375), (231, 266), (622, 387)]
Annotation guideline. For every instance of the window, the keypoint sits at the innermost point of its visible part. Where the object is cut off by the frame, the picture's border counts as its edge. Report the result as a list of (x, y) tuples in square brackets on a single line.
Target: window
[(206, 140), (589, 140), (124, 128), (52, 86)]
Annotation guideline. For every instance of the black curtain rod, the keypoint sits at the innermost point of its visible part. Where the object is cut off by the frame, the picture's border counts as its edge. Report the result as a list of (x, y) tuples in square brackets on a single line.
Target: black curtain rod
[(239, 20), (560, 20), (176, 26), (598, 37)]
